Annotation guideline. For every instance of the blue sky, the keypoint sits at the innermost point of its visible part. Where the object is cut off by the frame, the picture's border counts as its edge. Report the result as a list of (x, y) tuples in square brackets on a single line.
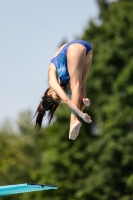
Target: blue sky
[(30, 33)]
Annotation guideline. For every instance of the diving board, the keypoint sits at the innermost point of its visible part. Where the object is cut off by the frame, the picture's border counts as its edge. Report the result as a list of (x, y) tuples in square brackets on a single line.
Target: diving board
[(25, 187)]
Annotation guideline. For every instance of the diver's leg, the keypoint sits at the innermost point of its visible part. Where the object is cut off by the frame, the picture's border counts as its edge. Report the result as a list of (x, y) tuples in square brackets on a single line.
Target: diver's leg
[(78, 66), (85, 101)]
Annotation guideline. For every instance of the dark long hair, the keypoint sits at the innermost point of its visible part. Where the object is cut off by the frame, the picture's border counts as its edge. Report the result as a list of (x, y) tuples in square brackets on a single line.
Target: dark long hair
[(47, 104)]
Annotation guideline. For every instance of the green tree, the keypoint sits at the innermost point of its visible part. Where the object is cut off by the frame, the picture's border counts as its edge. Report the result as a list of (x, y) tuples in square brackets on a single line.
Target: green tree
[(19, 154), (98, 164), (110, 86)]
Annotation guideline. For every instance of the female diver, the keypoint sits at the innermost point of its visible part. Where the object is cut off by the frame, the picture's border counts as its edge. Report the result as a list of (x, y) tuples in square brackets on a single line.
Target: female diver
[(67, 74)]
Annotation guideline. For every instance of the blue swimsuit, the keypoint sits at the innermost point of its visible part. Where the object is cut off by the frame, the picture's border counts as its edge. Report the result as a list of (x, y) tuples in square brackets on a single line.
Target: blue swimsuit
[(60, 61)]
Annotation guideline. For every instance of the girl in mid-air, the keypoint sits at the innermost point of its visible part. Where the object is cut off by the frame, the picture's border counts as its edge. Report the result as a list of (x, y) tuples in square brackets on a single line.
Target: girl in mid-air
[(67, 74)]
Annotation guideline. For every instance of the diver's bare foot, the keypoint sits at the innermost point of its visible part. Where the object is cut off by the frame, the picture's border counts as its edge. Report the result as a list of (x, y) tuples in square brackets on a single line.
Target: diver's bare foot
[(74, 129), (86, 101)]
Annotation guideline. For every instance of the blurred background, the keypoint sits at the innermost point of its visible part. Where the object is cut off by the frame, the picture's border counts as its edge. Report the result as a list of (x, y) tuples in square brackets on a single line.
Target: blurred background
[(98, 165), (30, 32)]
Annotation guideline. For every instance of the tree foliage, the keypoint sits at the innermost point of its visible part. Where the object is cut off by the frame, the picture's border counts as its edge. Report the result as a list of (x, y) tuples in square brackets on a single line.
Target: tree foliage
[(98, 164)]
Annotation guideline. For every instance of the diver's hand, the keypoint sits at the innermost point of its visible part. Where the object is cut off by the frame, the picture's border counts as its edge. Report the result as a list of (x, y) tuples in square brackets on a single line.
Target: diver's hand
[(86, 101), (86, 118)]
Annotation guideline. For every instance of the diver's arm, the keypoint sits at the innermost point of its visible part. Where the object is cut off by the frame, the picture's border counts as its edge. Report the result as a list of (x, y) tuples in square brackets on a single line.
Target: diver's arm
[(60, 92)]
